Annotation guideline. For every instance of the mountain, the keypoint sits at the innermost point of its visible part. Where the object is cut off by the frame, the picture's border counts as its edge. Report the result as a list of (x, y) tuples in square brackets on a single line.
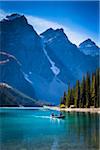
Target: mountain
[(44, 64), (68, 54), (88, 47), (62, 71), (10, 97), (10, 73), (21, 40)]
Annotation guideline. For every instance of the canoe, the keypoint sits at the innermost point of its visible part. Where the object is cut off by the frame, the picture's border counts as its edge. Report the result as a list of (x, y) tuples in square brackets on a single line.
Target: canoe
[(59, 117)]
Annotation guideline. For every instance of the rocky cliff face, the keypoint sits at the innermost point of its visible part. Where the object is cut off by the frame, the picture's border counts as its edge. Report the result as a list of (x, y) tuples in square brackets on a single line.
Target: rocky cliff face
[(11, 73), (21, 40), (10, 97)]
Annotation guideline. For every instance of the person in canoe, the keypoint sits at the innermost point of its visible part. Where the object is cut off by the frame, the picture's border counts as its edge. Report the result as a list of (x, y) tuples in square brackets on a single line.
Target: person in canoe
[(52, 115), (60, 116)]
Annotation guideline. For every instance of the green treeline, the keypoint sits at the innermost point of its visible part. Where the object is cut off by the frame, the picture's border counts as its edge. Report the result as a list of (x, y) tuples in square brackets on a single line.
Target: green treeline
[(85, 93)]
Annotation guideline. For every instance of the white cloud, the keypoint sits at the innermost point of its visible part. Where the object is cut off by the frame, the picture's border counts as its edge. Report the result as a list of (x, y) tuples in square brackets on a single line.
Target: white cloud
[(41, 24), (3, 14)]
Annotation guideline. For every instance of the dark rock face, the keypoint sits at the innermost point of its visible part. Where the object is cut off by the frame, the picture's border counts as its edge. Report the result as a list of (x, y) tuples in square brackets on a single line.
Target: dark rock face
[(20, 39), (10, 97), (10, 73)]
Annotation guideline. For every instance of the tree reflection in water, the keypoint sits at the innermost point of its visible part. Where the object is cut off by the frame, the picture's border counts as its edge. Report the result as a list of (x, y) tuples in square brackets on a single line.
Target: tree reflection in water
[(83, 128)]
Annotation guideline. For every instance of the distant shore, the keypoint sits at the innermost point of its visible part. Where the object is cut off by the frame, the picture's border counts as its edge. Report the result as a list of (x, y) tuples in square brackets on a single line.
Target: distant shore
[(57, 108), (91, 110)]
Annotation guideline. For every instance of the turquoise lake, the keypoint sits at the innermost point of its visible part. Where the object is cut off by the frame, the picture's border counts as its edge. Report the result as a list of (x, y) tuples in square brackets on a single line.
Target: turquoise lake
[(33, 129)]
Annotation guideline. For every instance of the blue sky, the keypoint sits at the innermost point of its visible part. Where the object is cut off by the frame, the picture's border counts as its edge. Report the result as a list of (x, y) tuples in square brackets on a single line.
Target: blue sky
[(80, 20)]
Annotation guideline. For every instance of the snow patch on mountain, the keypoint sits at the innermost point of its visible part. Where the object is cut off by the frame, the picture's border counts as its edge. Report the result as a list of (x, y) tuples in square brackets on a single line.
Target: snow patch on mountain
[(50, 39), (53, 67), (88, 45), (27, 78), (30, 72)]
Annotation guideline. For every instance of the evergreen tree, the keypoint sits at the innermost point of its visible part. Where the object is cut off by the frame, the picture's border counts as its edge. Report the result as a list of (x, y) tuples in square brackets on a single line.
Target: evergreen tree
[(88, 96), (97, 88), (61, 101), (72, 96), (93, 90), (83, 93), (68, 97), (77, 94), (64, 98)]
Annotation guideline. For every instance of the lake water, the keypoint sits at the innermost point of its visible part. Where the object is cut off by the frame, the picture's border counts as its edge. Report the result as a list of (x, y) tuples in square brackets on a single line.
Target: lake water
[(34, 130)]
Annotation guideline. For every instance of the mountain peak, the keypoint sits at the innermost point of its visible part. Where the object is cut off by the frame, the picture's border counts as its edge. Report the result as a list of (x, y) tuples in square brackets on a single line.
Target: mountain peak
[(51, 34), (89, 40), (13, 16), (53, 31), (87, 43), (16, 23), (60, 30), (50, 29), (89, 47)]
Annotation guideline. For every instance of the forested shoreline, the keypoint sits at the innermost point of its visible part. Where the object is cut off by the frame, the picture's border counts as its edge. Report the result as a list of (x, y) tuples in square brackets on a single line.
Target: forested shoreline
[(84, 94)]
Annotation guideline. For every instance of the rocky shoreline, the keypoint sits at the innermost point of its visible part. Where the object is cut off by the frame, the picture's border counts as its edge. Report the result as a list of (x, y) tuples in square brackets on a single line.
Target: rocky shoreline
[(91, 110)]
